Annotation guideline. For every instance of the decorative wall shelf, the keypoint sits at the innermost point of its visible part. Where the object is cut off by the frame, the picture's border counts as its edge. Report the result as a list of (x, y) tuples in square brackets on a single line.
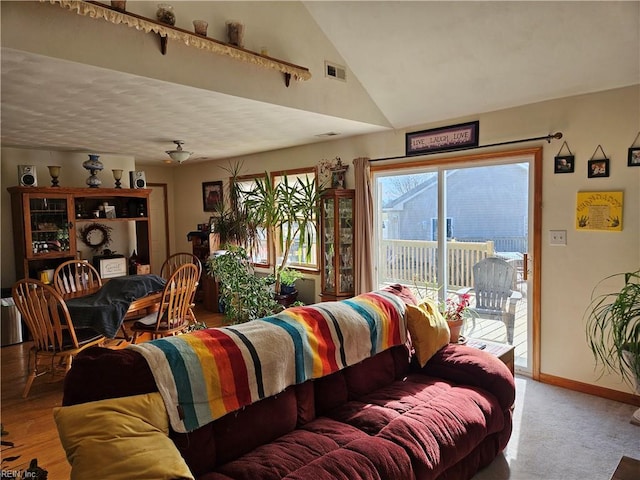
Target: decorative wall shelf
[(99, 10)]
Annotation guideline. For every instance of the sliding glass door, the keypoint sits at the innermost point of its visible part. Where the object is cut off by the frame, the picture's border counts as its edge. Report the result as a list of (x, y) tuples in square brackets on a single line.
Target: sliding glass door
[(435, 223)]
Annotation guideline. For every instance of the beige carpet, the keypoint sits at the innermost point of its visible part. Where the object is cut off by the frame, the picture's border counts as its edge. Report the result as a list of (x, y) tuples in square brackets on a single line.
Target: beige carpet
[(559, 434)]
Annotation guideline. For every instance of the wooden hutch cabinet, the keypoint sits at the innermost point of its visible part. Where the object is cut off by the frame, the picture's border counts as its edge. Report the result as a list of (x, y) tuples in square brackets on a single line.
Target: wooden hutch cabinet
[(46, 221), (337, 246)]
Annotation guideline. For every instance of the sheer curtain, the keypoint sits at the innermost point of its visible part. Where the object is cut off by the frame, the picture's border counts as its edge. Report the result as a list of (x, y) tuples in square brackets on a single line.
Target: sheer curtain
[(363, 228)]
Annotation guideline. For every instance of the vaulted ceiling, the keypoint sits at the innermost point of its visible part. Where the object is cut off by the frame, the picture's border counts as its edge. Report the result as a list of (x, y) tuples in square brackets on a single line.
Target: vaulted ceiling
[(407, 64)]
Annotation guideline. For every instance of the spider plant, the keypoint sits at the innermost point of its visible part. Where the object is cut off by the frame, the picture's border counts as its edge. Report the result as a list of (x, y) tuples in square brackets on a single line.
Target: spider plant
[(613, 327)]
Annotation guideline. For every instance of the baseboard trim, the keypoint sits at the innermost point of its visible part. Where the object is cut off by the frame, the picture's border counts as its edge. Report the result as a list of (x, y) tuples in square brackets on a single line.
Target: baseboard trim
[(587, 388)]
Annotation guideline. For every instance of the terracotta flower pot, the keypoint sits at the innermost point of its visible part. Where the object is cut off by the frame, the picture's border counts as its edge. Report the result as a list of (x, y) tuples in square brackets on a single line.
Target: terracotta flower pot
[(455, 327)]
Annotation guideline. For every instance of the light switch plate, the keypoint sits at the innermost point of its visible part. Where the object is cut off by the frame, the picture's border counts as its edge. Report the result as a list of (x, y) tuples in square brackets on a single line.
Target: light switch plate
[(557, 237)]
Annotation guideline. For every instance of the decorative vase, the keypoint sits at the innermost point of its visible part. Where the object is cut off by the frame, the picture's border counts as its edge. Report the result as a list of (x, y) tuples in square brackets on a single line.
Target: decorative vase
[(455, 327), (119, 5), (235, 33), (165, 14), (94, 165), (200, 27)]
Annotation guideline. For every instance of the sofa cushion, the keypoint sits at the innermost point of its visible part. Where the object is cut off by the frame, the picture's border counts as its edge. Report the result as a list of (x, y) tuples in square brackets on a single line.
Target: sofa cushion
[(99, 373), (439, 433), (115, 437), (472, 366), (275, 460), (428, 329), (363, 459), (370, 374), (260, 423)]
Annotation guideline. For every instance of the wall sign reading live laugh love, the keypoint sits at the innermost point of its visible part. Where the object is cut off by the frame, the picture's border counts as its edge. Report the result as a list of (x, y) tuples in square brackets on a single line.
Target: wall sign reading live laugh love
[(453, 137)]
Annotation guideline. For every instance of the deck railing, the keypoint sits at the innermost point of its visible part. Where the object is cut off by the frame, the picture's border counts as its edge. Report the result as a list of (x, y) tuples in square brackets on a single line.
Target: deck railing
[(416, 261)]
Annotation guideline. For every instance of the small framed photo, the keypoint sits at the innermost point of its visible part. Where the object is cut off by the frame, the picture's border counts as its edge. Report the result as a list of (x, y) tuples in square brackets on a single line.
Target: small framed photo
[(634, 157), (110, 211), (598, 168), (564, 164), (212, 196)]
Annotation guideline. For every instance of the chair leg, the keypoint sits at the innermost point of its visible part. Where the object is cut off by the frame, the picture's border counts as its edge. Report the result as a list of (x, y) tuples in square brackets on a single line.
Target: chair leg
[(124, 333), (27, 387), (509, 322), (32, 376)]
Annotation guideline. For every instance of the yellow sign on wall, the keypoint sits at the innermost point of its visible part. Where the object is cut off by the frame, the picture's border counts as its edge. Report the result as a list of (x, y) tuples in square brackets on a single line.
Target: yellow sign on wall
[(599, 211)]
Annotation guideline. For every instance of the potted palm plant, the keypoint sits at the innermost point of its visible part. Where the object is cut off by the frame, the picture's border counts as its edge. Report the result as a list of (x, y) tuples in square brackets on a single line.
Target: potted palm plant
[(613, 329), (288, 211), (230, 222)]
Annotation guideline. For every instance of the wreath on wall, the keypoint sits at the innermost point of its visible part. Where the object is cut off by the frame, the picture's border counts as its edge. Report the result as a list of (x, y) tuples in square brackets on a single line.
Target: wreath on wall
[(95, 235)]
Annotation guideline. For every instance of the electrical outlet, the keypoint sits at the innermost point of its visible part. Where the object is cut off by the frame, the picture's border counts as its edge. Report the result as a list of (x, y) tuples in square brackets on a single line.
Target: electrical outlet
[(557, 237)]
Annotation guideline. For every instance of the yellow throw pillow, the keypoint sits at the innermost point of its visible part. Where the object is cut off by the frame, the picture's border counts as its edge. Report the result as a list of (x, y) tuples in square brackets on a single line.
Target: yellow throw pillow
[(120, 438), (428, 329)]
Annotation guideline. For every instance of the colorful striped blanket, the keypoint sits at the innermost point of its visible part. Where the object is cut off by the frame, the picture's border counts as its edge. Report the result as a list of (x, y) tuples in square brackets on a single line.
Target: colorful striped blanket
[(206, 374)]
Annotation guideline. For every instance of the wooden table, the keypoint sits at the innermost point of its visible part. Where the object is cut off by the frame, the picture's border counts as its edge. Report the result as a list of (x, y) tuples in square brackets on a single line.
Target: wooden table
[(503, 351), (628, 469), (105, 312)]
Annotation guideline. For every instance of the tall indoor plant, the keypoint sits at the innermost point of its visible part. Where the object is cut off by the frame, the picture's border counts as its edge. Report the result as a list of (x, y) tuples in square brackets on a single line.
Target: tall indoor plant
[(244, 295), (230, 221), (288, 211), (613, 328)]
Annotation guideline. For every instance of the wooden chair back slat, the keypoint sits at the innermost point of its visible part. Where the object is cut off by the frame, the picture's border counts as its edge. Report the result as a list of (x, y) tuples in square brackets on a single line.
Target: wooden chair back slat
[(76, 276)]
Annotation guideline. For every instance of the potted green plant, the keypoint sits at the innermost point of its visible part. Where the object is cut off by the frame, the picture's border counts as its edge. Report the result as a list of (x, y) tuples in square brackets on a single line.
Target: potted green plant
[(243, 295), (230, 221), (288, 277), (288, 211), (288, 293), (613, 328)]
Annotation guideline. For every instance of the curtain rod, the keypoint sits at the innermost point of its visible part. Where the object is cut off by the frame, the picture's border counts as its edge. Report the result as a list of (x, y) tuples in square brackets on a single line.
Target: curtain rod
[(548, 138)]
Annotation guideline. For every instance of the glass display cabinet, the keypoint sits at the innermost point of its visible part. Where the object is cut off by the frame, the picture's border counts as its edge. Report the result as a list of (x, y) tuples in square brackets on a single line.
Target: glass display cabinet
[(337, 244)]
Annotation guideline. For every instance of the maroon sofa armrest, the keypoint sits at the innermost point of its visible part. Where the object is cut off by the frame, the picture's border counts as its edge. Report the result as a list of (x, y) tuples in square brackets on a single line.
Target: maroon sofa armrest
[(99, 373), (470, 366)]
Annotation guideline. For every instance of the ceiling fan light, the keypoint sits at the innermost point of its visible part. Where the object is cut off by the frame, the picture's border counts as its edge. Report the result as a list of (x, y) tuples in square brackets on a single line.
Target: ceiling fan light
[(179, 155)]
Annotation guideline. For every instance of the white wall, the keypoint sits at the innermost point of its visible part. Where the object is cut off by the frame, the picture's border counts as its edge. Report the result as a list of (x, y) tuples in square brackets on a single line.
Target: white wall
[(610, 119)]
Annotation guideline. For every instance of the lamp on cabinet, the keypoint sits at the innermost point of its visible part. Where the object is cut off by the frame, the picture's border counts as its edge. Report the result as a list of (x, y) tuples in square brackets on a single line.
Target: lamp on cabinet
[(54, 171), (117, 176)]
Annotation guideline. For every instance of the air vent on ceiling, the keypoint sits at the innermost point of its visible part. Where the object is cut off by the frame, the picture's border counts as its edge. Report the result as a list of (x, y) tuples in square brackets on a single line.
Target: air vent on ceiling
[(336, 71)]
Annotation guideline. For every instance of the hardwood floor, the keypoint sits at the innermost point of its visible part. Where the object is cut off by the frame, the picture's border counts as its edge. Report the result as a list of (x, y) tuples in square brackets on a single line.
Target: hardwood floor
[(29, 423)]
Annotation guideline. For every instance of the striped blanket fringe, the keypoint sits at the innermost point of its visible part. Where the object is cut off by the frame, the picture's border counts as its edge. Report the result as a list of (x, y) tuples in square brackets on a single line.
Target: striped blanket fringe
[(208, 373)]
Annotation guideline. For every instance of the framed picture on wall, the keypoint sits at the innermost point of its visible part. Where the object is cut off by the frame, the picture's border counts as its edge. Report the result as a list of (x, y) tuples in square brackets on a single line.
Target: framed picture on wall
[(598, 168), (564, 164), (212, 196), (634, 157)]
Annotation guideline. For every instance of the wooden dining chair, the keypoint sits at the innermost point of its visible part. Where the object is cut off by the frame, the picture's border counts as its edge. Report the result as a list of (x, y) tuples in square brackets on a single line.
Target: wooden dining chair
[(44, 311), (172, 263), (176, 260), (172, 317), (76, 277)]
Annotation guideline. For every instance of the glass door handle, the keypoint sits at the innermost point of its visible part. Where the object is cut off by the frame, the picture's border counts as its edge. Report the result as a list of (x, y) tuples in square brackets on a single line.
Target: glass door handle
[(525, 266)]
